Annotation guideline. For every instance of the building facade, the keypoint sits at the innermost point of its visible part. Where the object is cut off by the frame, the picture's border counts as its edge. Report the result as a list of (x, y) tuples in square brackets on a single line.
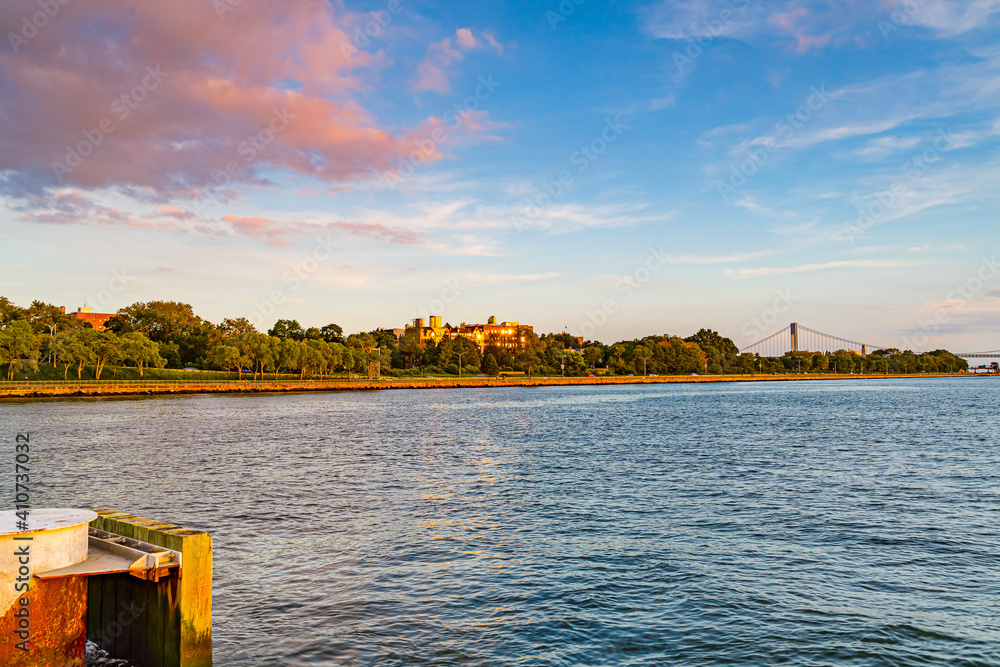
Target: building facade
[(511, 335), (95, 320)]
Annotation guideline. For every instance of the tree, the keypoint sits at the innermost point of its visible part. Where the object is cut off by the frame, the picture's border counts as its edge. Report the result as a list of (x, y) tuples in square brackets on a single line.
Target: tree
[(67, 348), (138, 348), (644, 353), (119, 324), (46, 318), (449, 350), (232, 328), (362, 341), (172, 353), (720, 352), (161, 321), (18, 343), (311, 357), (283, 353), (332, 333), (617, 353), (385, 339), (107, 347), (256, 348), (527, 361), (9, 312), (332, 355), (593, 354), (410, 348), (844, 361), (573, 363), (228, 357), (196, 343), (287, 329), (490, 366)]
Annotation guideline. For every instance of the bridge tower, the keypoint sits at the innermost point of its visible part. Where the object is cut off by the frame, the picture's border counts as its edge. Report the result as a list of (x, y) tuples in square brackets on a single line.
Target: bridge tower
[(795, 336)]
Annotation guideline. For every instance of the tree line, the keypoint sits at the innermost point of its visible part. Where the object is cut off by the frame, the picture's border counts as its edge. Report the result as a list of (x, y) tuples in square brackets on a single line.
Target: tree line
[(167, 334)]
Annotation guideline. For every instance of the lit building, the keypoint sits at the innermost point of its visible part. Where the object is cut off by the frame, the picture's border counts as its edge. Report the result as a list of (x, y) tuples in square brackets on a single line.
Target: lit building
[(505, 334)]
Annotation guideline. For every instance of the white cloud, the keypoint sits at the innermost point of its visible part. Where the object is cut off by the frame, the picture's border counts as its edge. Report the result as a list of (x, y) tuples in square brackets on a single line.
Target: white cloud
[(477, 279), (804, 25), (885, 146), (721, 259), (940, 95), (953, 17), (853, 263)]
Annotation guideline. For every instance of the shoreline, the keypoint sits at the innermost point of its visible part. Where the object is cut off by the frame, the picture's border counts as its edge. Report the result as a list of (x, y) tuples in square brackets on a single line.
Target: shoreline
[(125, 388)]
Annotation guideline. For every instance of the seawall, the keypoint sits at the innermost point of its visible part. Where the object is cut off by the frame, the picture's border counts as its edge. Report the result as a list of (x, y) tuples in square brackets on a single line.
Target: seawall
[(131, 388)]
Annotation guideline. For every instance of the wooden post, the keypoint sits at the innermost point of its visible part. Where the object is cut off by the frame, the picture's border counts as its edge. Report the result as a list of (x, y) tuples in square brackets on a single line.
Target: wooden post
[(166, 623)]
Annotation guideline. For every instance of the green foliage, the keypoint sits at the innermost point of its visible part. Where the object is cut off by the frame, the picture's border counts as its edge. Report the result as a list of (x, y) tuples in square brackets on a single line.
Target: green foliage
[(143, 352), (232, 328), (48, 319), (720, 353), (184, 337), (332, 333), (160, 321), (9, 312), (229, 357), (19, 346), (287, 329), (528, 361), (490, 365), (385, 339)]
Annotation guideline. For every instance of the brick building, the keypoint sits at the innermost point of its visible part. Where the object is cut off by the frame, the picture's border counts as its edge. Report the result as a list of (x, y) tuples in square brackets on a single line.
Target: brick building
[(95, 320)]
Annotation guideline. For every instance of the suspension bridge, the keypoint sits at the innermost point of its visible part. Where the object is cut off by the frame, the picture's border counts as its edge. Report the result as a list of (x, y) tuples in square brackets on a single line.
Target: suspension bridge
[(797, 338), (993, 354)]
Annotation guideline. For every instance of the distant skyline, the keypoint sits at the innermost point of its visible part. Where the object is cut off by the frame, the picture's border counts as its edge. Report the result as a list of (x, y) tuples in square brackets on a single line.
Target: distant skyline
[(626, 168)]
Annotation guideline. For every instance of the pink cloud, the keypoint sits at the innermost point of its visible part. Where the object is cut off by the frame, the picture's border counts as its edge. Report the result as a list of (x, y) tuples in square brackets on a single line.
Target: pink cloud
[(65, 207), (169, 99), (274, 232), (435, 71), (797, 22), (381, 233), (465, 39), (263, 229), (73, 208)]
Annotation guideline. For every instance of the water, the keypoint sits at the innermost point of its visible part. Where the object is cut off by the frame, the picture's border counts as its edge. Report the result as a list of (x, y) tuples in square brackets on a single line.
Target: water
[(828, 523)]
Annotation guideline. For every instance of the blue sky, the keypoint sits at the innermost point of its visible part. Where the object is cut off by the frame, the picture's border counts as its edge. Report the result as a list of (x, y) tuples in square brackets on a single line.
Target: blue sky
[(726, 164)]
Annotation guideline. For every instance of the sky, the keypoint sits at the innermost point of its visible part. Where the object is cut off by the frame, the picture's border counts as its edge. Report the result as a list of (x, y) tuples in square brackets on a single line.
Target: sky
[(611, 169)]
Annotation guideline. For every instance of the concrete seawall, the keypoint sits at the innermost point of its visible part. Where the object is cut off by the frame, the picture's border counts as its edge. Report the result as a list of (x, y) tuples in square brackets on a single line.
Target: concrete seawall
[(130, 388)]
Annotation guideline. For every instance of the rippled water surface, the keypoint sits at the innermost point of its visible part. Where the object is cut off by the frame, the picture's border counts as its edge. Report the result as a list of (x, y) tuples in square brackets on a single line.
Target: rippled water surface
[(822, 523)]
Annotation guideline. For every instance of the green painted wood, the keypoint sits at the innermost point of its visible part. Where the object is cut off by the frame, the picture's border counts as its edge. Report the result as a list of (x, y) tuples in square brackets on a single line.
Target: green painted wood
[(137, 621), (109, 595), (94, 598)]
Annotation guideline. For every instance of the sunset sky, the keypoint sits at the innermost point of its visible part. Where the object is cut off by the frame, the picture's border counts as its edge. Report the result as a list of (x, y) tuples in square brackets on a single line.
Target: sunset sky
[(648, 167)]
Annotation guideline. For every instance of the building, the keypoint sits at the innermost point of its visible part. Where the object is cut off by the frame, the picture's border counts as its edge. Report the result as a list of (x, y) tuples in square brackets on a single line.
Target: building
[(504, 334), (95, 320)]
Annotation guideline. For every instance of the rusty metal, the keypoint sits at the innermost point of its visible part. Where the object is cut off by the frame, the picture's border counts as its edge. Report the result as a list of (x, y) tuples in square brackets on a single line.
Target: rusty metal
[(58, 626), (51, 614)]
